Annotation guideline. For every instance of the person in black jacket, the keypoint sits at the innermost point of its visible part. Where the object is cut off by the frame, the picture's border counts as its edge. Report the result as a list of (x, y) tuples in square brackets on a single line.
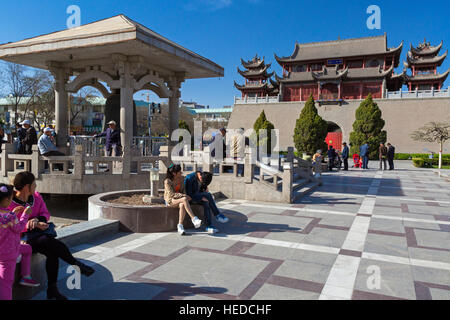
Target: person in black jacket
[(390, 156), (331, 157), (345, 154), (30, 137)]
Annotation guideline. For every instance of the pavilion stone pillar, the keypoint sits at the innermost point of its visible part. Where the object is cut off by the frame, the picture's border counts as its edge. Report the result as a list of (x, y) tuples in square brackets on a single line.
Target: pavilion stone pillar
[(126, 114), (174, 105), (61, 108)]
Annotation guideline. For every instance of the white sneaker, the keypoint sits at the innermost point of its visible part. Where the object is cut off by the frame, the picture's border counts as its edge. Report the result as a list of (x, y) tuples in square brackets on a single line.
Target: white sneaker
[(180, 229), (211, 230), (221, 218), (196, 222)]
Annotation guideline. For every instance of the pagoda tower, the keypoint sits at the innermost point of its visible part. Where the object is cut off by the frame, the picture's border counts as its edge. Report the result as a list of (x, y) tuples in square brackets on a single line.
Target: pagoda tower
[(258, 82), (423, 62)]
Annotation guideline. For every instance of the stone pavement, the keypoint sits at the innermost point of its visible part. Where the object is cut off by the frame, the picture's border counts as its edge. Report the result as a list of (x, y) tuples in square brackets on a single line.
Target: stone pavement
[(362, 235)]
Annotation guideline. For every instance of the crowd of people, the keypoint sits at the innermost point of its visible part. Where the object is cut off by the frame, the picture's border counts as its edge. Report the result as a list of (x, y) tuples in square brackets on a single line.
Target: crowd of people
[(386, 154)]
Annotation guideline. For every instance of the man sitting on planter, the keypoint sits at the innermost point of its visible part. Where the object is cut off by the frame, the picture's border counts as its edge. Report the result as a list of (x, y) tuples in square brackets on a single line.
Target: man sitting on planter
[(196, 187)]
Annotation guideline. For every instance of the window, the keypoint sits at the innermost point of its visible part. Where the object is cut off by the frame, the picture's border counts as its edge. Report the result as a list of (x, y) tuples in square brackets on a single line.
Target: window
[(299, 68), (316, 67), (374, 63), (354, 64)]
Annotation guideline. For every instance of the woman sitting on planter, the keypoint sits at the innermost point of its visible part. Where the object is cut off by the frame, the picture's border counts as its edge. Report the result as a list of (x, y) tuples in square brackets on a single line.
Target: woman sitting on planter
[(175, 198)]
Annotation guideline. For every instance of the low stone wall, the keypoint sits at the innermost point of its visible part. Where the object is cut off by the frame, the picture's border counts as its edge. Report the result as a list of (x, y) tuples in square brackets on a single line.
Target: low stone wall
[(74, 235), (139, 219)]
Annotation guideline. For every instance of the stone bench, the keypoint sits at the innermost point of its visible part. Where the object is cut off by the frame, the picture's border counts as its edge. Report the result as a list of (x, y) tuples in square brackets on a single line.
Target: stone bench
[(72, 236)]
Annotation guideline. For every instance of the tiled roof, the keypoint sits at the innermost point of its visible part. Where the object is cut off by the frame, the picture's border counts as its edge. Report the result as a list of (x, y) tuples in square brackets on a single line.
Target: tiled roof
[(340, 49)]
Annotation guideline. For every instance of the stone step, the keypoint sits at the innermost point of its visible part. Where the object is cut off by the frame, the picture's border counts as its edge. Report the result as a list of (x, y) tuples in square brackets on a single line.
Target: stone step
[(299, 184), (306, 189)]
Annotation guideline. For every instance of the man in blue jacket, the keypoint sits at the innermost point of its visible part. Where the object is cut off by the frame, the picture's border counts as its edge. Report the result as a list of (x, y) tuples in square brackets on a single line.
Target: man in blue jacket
[(364, 154), (345, 153), (196, 187), (112, 135)]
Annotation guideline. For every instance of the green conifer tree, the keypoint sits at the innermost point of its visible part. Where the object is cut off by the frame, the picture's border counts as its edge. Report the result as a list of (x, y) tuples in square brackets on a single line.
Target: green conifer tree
[(310, 130), (368, 127)]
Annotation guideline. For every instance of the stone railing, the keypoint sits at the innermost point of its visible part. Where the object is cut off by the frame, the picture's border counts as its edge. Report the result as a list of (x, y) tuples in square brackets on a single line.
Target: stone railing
[(278, 175), (266, 99), (418, 94), (77, 166)]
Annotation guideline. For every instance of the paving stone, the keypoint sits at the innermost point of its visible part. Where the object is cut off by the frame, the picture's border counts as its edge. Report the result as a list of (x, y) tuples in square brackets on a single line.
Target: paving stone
[(440, 294), (389, 245), (436, 239), (272, 292), (431, 275), (222, 273), (308, 271), (428, 254), (396, 280), (326, 237)]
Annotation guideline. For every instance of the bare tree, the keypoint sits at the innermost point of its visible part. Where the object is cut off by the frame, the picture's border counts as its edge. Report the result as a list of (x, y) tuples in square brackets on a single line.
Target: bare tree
[(22, 86), (437, 132), (79, 102)]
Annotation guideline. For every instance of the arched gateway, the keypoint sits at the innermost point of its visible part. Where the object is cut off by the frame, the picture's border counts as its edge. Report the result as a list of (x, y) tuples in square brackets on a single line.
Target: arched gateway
[(117, 56)]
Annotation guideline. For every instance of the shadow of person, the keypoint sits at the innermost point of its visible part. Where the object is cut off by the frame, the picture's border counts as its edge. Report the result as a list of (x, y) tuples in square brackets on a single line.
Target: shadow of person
[(239, 224), (120, 279)]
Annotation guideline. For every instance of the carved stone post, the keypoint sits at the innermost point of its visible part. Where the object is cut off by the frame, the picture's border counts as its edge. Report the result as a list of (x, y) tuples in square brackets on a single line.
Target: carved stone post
[(6, 164), (288, 178)]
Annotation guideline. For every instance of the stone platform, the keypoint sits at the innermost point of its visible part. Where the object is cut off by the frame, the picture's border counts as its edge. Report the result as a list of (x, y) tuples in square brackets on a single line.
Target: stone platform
[(362, 235)]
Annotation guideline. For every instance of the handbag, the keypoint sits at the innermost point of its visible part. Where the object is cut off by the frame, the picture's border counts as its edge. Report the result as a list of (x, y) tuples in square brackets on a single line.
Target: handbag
[(36, 232)]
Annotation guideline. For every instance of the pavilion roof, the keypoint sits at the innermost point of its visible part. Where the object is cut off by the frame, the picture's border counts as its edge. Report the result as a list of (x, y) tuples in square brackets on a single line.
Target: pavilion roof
[(256, 72), (438, 60), (422, 77), (256, 62), (100, 39), (368, 46), (251, 86), (425, 48)]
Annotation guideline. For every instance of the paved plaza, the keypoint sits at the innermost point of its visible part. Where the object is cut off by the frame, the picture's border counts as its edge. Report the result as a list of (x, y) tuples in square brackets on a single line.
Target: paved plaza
[(362, 235)]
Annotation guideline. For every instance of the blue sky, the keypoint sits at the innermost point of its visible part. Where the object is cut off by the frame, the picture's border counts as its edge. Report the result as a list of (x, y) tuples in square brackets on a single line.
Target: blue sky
[(226, 30)]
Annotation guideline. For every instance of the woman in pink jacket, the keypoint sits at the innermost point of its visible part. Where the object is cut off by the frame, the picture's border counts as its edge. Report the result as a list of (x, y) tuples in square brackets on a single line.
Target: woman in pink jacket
[(49, 246), (10, 228)]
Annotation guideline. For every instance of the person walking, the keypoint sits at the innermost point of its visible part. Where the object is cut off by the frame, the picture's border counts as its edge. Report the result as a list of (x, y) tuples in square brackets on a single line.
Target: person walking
[(112, 135), (382, 153), (364, 154), (30, 137), (391, 155), (345, 154), (238, 150)]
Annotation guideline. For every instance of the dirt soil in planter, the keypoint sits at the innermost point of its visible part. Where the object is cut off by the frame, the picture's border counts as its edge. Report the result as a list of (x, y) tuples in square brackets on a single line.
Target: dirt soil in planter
[(133, 200)]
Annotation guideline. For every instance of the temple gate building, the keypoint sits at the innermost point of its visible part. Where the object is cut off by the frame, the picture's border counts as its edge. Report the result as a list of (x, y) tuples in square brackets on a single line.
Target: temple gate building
[(339, 75)]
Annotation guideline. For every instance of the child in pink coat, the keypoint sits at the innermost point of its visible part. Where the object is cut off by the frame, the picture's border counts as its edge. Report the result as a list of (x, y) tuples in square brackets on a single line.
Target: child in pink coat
[(10, 247)]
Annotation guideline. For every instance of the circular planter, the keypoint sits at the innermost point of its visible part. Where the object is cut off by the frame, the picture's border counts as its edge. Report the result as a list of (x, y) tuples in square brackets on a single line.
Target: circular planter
[(138, 219)]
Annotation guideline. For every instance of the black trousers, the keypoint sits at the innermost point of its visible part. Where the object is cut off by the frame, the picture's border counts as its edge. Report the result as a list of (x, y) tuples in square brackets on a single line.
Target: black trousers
[(53, 249), (391, 163), (345, 164)]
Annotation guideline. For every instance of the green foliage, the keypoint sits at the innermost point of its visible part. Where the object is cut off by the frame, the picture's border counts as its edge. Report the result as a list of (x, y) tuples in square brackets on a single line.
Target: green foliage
[(310, 130), (183, 125), (409, 156), (368, 127), (429, 163), (262, 124)]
